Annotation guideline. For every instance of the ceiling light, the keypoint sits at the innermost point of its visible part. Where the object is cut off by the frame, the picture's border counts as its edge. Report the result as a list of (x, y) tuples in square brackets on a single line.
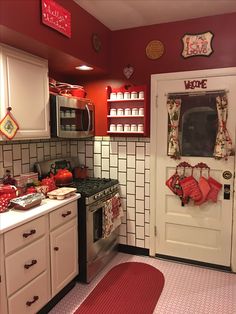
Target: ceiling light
[(84, 68)]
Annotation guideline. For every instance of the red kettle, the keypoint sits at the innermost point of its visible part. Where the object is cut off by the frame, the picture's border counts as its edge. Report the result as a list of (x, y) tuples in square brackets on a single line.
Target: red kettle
[(63, 177)]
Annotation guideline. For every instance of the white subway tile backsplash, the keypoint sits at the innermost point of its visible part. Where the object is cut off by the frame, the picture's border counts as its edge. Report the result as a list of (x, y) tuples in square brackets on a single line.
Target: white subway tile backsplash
[(105, 151), (147, 216), (89, 163), (122, 150), (123, 192), (131, 161), (53, 151), (97, 172), (25, 168), (40, 154), (122, 177), (131, 239), (33, 150), (147, 242), (140, 232), (139, 219), (97, 159), (105, 164), (147, 176), (147, 162), (74, 150), (147, 229), (2, 170), (139, 179), (113, 160), (89, 150), (140, 243), (131, 213), (130, 175), (147, 189), (97, 147), (131, 148), (47, 148), (139, 206), (131, 226), (16, 149), (105, 174), (139, 166), (122, 239), (113, 147), (147, 149), (140, 153), (113, 173), (7, 157), (131, 187), (1, 154), (58, 148), (122, 165), (81, 146), (123, 230), (147, 202), (17, 167), (139, 193), (130, 200)]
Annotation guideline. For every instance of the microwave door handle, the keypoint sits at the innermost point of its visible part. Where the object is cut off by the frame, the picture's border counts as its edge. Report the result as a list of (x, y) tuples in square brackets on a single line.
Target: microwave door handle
[(89, 117)]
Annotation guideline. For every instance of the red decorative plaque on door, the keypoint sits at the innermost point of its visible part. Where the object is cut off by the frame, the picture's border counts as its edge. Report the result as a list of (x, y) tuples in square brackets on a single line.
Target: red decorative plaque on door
[(56, 17)]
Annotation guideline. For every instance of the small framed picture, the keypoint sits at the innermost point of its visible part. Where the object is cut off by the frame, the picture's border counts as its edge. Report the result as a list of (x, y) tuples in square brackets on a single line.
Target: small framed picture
[(197, 45)]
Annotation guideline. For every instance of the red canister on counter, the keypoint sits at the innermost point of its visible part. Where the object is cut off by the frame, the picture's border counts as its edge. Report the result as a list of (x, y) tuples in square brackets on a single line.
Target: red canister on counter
[(7, 192)]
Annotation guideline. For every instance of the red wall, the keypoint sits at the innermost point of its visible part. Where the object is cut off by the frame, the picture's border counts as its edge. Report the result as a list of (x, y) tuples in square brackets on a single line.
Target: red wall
[(24, 17), (128, 47)]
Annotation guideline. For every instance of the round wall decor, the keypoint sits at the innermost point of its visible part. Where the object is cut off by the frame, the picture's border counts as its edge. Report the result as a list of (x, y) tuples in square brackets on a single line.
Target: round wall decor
[(154, 49)]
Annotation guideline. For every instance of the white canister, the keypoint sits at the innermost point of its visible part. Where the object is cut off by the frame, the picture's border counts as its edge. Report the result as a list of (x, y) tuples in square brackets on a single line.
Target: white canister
[(72, 113), (120, 95), (120, 112), (134, 95), (127, 111), (141, 95), (113, 112), (134, 128), (127, 127), (62, 113), (67, 113), (141, 112), (126, 95), (73, 127), (67, 127), (112, 127), (112, 95), (119, 128), (140, 127), (134, 111)]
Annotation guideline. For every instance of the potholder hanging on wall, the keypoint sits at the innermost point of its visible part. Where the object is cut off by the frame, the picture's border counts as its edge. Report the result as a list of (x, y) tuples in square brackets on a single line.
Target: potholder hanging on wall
[(205, 188), (191, 188), (8, 125)]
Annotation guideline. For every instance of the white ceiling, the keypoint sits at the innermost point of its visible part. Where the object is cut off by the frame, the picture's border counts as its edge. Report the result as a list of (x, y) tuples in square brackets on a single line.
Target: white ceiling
[(123, 14)]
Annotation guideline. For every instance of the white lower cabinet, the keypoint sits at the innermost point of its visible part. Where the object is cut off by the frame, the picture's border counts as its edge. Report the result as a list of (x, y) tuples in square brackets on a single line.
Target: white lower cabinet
[(41, 261), (64, 257)]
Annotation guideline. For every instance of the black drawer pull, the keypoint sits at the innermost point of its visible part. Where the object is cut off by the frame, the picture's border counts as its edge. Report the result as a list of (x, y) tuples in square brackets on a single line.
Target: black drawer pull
[(27, 266), (35, 298), (66, 214), (27, 234), (56, 248)]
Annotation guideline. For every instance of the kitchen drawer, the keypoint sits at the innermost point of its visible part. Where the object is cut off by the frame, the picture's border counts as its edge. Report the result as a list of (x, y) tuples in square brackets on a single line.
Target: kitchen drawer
[(62, 215), (26, 264), (31, 298), (25, 234)]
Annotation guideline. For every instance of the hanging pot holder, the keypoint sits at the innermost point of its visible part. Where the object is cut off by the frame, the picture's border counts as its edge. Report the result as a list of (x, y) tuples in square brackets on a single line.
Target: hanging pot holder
[(8, 125), (215, 189)]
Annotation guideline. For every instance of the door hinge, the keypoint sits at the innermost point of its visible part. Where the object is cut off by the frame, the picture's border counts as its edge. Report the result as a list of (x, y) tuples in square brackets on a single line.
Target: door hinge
[(155, 231)]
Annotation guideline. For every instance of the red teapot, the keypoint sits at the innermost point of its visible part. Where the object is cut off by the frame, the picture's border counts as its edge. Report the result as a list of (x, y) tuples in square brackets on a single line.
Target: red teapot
[(63, 177)]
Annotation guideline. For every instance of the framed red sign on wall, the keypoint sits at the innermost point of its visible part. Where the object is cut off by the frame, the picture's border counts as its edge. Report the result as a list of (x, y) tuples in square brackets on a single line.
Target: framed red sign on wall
[(56, 17)]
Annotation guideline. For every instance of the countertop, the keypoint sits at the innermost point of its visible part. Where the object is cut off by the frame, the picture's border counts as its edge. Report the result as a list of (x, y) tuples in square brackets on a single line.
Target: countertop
[(14, 218)]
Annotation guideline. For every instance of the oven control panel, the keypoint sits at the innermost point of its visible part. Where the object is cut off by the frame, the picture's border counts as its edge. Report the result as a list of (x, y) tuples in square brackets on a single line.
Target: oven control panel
[(101, 194)]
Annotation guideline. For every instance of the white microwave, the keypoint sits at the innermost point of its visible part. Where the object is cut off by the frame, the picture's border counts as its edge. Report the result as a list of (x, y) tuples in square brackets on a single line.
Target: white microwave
[(71, 117)]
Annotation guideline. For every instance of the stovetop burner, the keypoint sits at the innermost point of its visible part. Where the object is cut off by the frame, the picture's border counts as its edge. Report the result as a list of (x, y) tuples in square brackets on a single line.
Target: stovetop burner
[(90, 186)]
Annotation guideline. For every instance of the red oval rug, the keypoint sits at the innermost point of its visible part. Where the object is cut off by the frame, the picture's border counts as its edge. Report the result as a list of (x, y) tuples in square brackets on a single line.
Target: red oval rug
[(132, 288)]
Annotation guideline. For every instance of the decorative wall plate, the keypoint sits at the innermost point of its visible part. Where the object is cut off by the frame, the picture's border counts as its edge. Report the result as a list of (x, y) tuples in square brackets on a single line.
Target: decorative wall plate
[(96, 42), (128, 71), (154, 49)]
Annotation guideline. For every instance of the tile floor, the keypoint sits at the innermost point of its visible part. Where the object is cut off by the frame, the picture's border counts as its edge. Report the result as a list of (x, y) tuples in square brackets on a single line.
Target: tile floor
[(187, 290)]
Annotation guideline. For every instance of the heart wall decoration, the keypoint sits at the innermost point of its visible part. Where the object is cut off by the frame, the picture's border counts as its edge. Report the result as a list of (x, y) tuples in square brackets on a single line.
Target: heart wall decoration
[(128, 71)]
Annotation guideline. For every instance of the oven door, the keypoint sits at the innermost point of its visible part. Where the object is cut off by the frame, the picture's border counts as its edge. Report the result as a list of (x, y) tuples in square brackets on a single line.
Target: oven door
[(98, 248)]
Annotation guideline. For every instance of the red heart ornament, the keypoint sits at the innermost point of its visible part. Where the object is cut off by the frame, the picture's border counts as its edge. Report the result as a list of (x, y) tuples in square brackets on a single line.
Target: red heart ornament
[(128, 71)]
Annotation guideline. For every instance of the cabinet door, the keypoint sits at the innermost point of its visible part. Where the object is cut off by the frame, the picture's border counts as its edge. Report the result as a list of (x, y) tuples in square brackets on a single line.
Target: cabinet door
[(3, 298), (24, 88), (64, 255)]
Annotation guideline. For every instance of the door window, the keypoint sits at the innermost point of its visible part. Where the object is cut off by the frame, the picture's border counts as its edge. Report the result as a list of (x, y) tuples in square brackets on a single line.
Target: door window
[(198, 124)]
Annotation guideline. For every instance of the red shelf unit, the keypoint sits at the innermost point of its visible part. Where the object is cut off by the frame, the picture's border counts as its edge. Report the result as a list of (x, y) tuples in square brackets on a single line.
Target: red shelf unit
[(139, 119)]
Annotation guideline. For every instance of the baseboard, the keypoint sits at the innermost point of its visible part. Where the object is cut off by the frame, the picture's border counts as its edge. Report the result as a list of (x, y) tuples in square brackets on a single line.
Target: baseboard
[(192, 262), (47, 308), (133, 250)]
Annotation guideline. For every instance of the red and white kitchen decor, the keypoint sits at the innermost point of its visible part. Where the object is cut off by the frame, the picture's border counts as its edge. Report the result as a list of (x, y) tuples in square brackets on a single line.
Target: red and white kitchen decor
[(55, 16)]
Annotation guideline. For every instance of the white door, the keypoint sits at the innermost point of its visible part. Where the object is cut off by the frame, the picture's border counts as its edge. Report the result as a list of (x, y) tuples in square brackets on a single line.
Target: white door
[(201, 233)]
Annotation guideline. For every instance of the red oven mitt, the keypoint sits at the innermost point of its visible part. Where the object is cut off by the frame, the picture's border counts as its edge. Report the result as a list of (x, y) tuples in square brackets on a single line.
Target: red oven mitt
[(215, 189), (205, 188), (190, 188)]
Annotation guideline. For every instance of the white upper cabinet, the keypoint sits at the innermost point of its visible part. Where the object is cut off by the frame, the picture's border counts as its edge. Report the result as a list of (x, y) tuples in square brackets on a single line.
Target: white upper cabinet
[(24, 88)]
